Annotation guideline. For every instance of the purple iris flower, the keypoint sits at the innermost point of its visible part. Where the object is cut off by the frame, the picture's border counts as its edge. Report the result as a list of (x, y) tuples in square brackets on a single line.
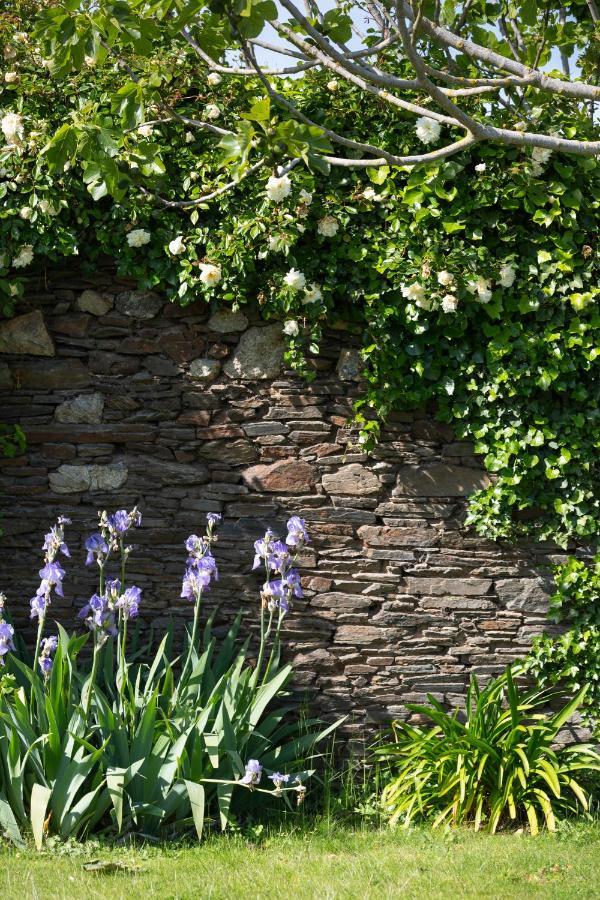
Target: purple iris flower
[(278, 779), (96, 546), (129, 602), (45, 665), (52, 574), (253, 773), (6, 639), (196, 580), (261, 548), (119, 521), (39, 604), (48, 647), (278, 556), (99, 616), (50, 644), (213, 519), (297, 532), (53, 542), (113, 587)]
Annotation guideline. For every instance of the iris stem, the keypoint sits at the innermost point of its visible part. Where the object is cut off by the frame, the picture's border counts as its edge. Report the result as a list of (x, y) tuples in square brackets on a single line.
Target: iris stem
[(192, 643), (88, 697)]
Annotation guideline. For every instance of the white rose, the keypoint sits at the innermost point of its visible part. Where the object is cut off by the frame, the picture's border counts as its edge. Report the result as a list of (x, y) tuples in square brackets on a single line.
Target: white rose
[(480, 168), (45, 207), (428, 130), (12, 128), (507, 275), (177, 247), (449, 303), (138, 237), (9, 52), (189, 137), (212, 111), (145, 130), (11, 77), (424, 302), (210, 274), (273, 242), (482, 287), (26, 212), (295, 280), (312, 294), (333, 85), (370, 193), (540, 158), (291, 328), (214, 79), (278, 188), (445, 278), (306, 197), (414, 291), (24, 257), (89, 61), (328, 226)]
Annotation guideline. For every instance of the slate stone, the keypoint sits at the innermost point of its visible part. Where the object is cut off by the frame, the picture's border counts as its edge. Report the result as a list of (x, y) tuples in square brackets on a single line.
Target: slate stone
[(85, 409), (95, 303), (439, 480), (139, 304), (352, 479), (204, 369), (225, 321), (288, 476), (26, 335), (258, 355), (68, 479)]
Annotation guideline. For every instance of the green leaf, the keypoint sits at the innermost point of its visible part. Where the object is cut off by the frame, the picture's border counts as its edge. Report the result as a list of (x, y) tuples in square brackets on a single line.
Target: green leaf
[(40, 797), (196, 796)]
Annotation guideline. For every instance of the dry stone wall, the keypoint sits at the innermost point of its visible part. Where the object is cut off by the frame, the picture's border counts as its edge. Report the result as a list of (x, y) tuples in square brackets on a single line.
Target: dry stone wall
[(126, 399)]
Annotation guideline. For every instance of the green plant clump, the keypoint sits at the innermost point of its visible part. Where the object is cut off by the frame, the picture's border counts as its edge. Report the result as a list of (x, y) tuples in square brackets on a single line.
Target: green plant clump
[(572, 659), (497, 766)]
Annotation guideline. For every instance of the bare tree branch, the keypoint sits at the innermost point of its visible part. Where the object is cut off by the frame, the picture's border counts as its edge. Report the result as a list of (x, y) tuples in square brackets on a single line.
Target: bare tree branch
[(206, 198)]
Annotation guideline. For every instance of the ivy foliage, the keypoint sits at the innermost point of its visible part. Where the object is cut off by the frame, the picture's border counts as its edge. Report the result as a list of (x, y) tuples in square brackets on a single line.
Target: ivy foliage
[(573, 658), (474, 281)]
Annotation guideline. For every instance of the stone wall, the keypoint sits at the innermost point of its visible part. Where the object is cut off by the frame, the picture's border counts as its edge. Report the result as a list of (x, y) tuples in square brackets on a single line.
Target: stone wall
[(126, 399)]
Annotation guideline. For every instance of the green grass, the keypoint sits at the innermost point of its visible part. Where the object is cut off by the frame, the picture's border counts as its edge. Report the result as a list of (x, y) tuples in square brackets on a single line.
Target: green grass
[(326, 862)]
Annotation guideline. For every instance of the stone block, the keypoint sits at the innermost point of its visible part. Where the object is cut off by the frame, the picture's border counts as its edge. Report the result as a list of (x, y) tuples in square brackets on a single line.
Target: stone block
[(69, 479), (95, 303), (439, 480), (26, 335), (348, 365), (226, 321), (84, 409), (527, 594), (450, 587), (139, 304), (6, 379), (204, 369), (258, 355), (387, 536), (352, 479), (287, 476), (52, 374)]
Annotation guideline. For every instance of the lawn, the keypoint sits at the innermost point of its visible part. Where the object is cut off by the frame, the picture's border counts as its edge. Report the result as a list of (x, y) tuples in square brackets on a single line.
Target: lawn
[(324, 863)]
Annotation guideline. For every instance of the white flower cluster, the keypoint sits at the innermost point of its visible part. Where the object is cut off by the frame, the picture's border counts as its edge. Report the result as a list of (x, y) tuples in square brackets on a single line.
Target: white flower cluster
[(428, 130), (370, 193), (12, 128), (539, 159), (480, 286), (278, 188), (328, 226), (138, 237), (24, 257), (296, 281)]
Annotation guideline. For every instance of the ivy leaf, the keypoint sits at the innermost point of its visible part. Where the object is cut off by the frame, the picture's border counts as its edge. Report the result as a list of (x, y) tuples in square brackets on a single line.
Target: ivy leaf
[(236, 147), (61, 148)]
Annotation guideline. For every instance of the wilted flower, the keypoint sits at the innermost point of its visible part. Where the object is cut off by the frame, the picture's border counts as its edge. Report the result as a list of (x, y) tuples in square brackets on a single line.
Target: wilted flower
[(212, 111), (295, 280), (12, 128), (177, 246), (482, 287), (291, 328), (540, 158), (297, 532), (138, 237), (507, 275), (24, 257), (328, 226), (253, 773), (278, 188), (54, 541), (428, 130), (213, 519), (306, 197), (210, 274), (214, 79)]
